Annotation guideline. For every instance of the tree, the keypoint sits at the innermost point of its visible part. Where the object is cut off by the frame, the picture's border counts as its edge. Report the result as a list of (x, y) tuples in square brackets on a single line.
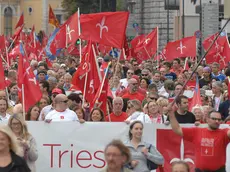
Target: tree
[(90, 6)]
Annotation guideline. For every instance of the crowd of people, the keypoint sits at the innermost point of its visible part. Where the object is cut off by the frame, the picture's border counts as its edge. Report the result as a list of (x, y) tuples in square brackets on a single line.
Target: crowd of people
[(142, 92)]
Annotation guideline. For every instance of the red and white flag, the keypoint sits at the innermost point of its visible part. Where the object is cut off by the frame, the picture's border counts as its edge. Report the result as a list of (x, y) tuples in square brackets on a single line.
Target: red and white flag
[(106, 28), (32, 92), (220, 50), (87, 67), (149, 43), (185, 47), (72, 29)]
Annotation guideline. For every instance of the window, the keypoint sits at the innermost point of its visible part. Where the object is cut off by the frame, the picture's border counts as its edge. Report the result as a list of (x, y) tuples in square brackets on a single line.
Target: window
[(58, 16), (8, 14)]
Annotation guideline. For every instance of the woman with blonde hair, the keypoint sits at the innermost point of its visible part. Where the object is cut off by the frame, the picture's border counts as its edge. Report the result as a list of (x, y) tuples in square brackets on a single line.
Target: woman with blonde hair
[(9, 152), (26, 141), (134, 111)]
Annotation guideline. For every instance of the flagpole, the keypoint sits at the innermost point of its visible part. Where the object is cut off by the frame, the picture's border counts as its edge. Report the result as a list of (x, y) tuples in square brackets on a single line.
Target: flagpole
[(79, 33), (185, 63), (66, 37), (158, 60), (200, 61), (95, 58), (23, 102), (123, 50), (11, 44), (103, 81), (147, 52), (86, 78), (7, 55), (4, 61)]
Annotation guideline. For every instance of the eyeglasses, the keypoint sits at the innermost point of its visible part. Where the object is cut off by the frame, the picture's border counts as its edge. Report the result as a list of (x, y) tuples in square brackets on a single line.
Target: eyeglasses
[(130, 73), (135, 64), (144, 74), (216, 119), (64, 101), (134, 83)]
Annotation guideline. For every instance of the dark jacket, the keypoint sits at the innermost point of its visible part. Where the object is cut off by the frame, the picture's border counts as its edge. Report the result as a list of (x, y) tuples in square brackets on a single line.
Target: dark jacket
[(18, 164)]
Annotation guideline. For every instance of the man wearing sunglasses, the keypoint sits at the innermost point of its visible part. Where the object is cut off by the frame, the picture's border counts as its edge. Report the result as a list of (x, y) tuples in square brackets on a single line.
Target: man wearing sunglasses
[(210, 143), (61, 111)]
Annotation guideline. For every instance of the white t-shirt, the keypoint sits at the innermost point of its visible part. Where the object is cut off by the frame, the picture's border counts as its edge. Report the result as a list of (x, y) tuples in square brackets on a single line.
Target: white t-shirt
[(139, 116), (4, 119), (67, 115), (124, 82)]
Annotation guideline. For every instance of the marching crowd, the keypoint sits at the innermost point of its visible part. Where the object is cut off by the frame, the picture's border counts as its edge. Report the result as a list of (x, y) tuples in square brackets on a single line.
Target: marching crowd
[(141, 92)]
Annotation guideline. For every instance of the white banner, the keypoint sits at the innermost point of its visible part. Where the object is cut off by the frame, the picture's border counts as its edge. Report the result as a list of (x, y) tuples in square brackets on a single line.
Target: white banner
[(70, 146)]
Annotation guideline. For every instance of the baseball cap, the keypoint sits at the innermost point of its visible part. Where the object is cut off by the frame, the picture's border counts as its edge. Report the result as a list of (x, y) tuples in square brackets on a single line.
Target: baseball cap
[(57, 91)]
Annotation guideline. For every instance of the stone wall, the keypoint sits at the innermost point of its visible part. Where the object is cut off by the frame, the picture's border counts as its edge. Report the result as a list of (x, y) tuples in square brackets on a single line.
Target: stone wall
[(152, 15)]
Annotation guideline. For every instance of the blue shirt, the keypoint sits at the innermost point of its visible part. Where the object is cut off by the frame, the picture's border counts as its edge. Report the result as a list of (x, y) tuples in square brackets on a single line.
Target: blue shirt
[(221, 77)]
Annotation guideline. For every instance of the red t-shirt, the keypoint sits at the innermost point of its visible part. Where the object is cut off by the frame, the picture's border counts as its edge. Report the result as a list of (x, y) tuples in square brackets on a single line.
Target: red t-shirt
[(115, 118), (136, 95), (210, 147)]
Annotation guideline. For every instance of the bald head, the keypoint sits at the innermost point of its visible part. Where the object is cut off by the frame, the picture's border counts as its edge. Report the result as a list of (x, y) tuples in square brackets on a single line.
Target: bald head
[(17, 109), (60, 97), (132, 81)]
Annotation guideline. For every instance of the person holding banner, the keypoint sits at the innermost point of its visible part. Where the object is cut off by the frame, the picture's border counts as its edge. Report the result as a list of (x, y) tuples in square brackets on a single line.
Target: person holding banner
[(26, 141), (117, 155), (10, 159), (140, 150), (210, 143)]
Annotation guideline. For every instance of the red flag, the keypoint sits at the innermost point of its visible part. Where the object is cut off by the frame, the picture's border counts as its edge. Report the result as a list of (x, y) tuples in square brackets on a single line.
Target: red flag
[(14, 52), (87, 66), (52, 18), (137, 40), (185, 47), (174, 148), (73, 50), (2, 76), (219, 43), (32, 92), (106, 28), (20, 21), (219, 52), (104, 49), (150, 42), (100, 99), (17, 34), (196, 100), (72, 29), (2, 45), (59, 40)]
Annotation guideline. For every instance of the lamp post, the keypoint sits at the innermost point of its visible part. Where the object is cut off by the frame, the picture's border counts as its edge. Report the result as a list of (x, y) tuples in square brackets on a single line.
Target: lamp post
[(201, 39), (183, 20), (168, 21)]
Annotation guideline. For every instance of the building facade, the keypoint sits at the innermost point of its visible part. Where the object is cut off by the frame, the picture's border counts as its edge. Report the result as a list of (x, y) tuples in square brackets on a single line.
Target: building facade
[(35, 13)]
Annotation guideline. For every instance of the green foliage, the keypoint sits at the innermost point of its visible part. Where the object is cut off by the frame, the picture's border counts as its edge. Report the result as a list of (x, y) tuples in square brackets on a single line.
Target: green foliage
[(89, 6)]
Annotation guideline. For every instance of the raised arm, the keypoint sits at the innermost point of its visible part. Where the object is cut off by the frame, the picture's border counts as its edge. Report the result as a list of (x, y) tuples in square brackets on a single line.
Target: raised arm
[(173, 121)]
